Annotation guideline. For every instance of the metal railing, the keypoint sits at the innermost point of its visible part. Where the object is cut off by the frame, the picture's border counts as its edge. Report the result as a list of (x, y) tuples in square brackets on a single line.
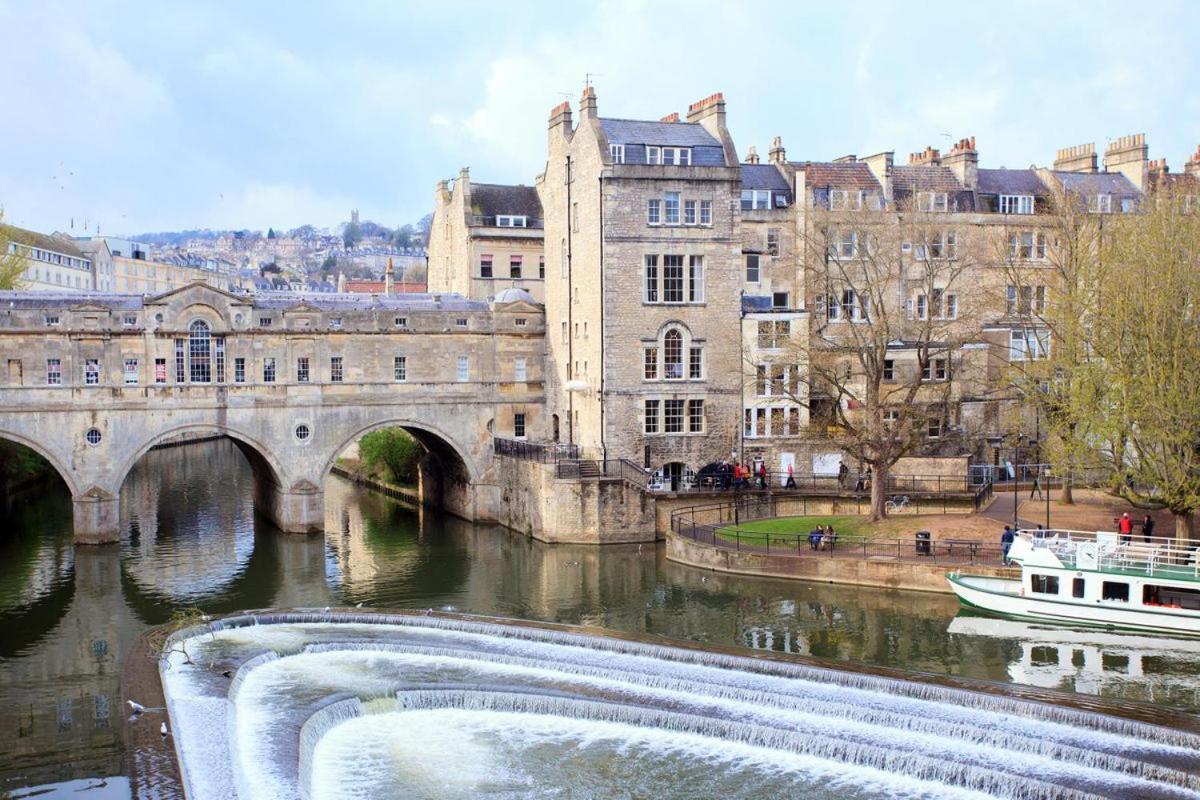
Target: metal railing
[(1109, 551), (543, 452), (622, 468), (919, 547), (778, 481)]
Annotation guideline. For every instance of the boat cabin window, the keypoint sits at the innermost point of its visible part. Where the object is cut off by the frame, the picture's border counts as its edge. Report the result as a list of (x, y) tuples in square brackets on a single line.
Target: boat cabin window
[(1171, 596), (1114, 590), (1044, 584), (1077, 587)]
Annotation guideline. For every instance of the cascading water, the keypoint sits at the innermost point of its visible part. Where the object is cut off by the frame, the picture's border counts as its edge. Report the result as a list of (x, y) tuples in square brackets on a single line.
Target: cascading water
[(378, 706)]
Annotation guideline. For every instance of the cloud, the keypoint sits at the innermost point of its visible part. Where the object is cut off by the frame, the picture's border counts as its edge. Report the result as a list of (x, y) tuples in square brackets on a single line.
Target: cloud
[(283, 205)]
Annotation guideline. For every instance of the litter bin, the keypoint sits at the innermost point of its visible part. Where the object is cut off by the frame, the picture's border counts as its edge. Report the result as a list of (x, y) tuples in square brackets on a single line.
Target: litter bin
[(922, 543)]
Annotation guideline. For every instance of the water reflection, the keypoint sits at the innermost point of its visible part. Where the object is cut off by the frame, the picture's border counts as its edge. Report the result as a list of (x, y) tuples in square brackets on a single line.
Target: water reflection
[(67, 616)]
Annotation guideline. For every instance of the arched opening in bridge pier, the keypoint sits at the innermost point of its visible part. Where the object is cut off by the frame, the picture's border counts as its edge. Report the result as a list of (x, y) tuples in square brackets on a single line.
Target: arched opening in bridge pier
[(191, 523), (168, 467), (439, 476), (24, 468)]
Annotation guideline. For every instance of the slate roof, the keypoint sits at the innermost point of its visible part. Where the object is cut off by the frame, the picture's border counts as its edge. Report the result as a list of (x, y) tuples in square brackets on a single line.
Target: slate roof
[(1093, 183), (682, 134), (1011, 181), (925, 178), (494, 199), (269, 300), (41, 241), (841, 175), (764, 176), (59, 299)]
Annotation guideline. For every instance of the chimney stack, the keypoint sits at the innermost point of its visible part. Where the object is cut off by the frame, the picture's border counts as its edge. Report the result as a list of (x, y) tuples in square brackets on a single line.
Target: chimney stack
[(672, 117), (587, 103), (710, 114), (389, 278), (777, 154), (963, 159), (1192, 167), (713, 105), (928, 157), (1079, 158), (752, 155), (560, 120), (1128, 156)]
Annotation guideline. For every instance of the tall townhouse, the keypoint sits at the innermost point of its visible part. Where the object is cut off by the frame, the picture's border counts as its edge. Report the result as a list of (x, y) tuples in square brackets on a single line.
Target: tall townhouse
[(774, 318), (485, 238), (643, 251)]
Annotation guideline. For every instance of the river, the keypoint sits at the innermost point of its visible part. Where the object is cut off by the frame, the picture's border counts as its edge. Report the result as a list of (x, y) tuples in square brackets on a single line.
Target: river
[(192, 541)]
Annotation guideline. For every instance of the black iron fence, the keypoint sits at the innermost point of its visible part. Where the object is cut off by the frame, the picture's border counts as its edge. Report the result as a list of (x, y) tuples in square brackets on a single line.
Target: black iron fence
[(544, 452), (721, 525)]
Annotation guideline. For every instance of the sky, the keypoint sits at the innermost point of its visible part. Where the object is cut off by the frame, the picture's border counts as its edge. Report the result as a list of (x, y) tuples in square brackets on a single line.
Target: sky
[(140, 117)]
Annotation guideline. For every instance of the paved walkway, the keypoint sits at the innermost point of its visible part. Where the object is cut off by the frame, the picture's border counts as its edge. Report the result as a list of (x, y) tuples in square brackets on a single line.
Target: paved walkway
[(1002, 506)]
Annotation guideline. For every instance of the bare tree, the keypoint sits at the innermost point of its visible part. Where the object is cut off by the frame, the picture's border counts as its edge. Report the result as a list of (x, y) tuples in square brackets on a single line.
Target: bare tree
[(1053, 269), (883, 360)]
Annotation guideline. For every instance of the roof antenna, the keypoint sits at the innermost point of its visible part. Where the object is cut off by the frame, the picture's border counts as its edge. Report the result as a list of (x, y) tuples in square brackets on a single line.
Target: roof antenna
[(587, 78)]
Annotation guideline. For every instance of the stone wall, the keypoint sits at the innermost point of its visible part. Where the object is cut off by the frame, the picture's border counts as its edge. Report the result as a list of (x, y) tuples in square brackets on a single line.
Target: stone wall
[(916, 576), (589, 511)]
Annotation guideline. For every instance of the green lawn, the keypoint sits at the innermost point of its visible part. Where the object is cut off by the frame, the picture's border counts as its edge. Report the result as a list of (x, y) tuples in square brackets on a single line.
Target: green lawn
[(783, 530)]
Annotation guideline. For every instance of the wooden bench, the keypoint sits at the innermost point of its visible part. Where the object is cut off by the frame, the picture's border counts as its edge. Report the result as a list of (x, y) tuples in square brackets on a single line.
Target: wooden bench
[(971, 545)]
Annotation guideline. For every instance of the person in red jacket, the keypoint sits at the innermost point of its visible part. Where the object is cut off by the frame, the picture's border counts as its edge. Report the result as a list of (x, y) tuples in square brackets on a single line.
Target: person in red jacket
[(1125, 526)]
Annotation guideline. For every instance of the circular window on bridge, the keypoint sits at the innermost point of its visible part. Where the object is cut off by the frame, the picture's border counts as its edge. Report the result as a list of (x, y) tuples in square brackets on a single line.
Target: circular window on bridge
[(303, 432), (93, 436), (158, 318)]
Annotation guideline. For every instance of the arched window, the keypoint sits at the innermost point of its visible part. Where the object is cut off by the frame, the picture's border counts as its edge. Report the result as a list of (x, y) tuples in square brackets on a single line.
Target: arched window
[(673, 355), (200, 352)]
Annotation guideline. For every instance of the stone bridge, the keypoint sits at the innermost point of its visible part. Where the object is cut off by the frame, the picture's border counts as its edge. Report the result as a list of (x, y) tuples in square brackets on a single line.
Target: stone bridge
[(93, 382)]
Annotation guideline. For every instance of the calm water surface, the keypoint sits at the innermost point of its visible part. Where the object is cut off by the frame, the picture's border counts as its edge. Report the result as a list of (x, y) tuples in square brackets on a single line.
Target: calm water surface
[(68, 616)]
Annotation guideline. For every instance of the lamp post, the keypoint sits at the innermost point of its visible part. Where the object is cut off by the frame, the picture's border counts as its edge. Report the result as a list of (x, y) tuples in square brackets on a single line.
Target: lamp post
[(1015, 478)]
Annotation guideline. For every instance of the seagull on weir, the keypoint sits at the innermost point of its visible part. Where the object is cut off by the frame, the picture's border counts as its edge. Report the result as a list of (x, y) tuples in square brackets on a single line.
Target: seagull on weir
[(163, 730), (138, 709)]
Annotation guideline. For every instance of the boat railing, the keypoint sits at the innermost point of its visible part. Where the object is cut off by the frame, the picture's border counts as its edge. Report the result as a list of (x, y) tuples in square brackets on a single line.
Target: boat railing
[(1110, 551)]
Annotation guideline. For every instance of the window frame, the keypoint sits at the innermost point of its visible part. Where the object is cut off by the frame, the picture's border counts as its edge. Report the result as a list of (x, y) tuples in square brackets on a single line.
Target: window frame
[(1019, 204), (616, 153)]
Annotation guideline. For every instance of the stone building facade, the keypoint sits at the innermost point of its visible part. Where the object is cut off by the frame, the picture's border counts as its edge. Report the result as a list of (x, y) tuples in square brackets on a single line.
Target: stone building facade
[(486, 238), (642, 226), (92, 382), (632, 207)]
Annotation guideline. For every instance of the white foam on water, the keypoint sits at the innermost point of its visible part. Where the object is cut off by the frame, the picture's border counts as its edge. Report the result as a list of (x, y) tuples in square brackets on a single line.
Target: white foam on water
[(644, 700), (457, 753)]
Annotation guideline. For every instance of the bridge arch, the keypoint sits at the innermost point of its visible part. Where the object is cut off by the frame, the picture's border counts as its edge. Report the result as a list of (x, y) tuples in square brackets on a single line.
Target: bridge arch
[(68, 477), (264, 462), (432, 437)]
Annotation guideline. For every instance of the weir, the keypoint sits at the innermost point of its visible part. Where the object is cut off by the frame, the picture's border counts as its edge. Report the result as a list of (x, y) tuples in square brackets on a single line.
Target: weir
[(356, 704)]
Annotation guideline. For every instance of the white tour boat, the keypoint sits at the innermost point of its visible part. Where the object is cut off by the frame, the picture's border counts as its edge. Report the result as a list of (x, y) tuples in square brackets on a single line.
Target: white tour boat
[(1094, 578)]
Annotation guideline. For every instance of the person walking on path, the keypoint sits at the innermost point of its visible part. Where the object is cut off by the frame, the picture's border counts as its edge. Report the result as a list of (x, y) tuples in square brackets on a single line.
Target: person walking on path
[(1037, 484), (791, 479), (762, 475), (1006, 540), (1147, 528), (1125, 526), (843, 471)]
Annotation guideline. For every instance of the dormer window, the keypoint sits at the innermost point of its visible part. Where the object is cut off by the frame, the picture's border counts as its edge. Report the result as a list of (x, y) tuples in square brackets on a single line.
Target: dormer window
[(933, 202), (264, 322), (617, 153), (1016, 204), (756, 199), (510, 221), (52, 320), (335, 323), (845, 199), (1100, 204), (129, 321), (670, 156)]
